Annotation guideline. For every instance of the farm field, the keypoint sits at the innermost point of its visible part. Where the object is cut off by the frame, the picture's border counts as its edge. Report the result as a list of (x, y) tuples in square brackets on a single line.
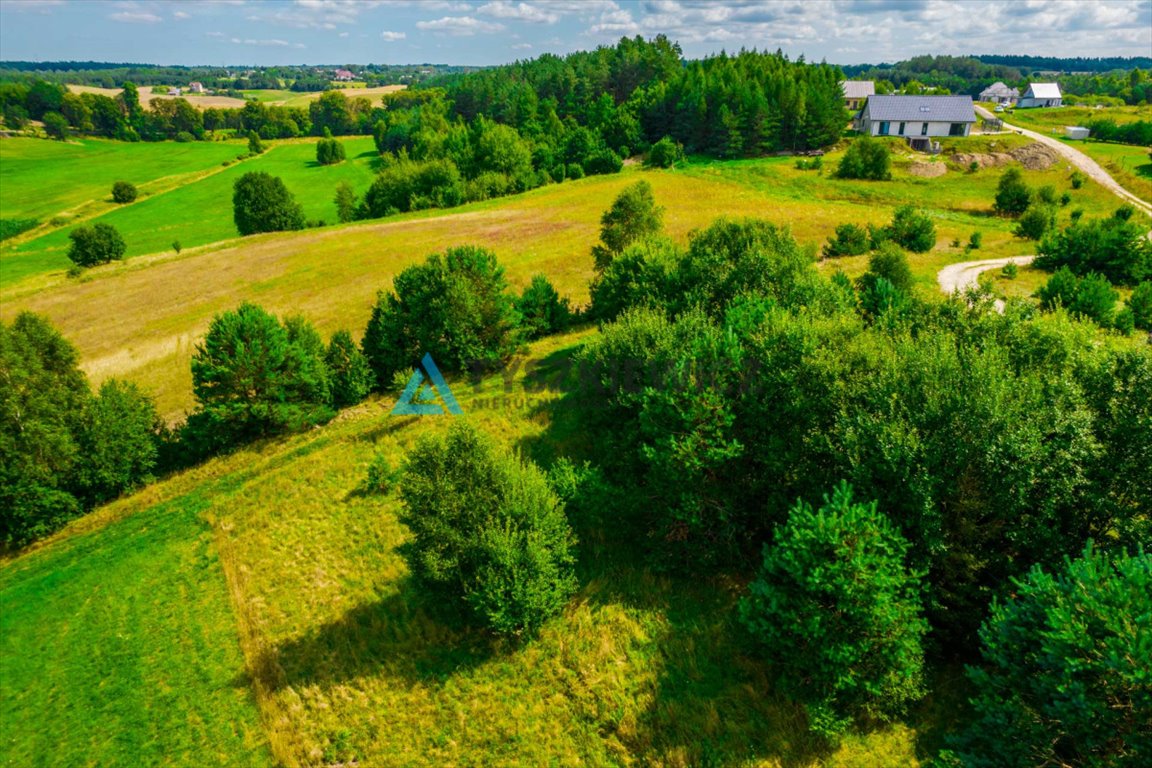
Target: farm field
[(348, 665), (140, 319), (148, 93), (193, 214)]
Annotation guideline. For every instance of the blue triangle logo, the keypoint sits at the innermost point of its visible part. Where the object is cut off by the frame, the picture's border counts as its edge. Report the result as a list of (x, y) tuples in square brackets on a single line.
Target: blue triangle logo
[(420, 394)]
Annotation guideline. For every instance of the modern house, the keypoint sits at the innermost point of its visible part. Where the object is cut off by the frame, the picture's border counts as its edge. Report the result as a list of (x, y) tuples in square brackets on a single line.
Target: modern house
[(344, 75), (856, 92), (917, 118), (1041, 95), (998, 93)]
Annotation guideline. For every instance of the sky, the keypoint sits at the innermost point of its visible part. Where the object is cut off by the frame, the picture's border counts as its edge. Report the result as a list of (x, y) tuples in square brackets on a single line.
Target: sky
[(482, 32)]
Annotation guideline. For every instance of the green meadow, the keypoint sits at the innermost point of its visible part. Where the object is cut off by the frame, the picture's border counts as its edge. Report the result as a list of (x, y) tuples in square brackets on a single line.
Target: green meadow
[(255, 611), (194, 213)]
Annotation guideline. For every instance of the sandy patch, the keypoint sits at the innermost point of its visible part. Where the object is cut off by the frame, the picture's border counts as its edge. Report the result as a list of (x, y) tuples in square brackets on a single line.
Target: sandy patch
[(1034, 157), (146, 97), (928, 170)]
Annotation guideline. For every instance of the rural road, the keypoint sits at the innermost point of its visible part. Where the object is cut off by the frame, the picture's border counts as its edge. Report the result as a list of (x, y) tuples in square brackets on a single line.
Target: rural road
[(1080, 160), (966, 274)]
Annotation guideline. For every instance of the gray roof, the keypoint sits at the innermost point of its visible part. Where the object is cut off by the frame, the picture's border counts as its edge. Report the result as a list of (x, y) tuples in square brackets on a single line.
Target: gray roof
[(858, 89), (921, 109), (1000, 88)]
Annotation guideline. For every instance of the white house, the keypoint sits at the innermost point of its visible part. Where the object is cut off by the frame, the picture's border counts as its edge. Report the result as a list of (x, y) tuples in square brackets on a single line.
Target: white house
[(1041, 95), (916, 116), (344, 75), (998, 93), (856, 92), (196, 87)]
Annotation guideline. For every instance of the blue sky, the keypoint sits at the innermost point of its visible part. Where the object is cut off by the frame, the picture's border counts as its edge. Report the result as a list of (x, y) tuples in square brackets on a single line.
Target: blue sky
[(496, 31)]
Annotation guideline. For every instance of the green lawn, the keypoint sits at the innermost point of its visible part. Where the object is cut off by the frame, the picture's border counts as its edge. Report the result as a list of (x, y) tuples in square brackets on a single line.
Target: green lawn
[(40, 179), (119, 647), (201, 212)]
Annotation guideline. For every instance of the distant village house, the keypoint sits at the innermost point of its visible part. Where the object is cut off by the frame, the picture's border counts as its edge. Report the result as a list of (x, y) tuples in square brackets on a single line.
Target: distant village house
[(917, 118), (344, 75), (1041, 95), (999, 93), (195, 87), (856, 92)]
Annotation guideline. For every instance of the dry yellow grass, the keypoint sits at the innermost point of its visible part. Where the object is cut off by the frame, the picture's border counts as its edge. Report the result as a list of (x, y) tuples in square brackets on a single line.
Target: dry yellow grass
[(147, 95)]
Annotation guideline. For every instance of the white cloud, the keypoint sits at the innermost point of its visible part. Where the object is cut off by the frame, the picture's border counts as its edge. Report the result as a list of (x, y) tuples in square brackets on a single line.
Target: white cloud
[(392, 36), (502, 9), (181, 15), (136, 17), (266, 43), (459, 26), (522, 47)]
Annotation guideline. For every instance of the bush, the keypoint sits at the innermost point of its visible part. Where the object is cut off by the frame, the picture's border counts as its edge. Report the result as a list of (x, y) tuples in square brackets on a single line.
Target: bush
[(350, 376), (602, 161), (1013, 195), (1036, 222), (407, 185), (1010, 270), (666, 153), (1115, 248), (488, 532), (381, 475), (542, 310), (1060, 290), (633, 216), (975, 240), (1124, 212), (1064, 675), (838, 613), (1096, 299), (255, 377), (1077, 179), (455, 306), (123, 192), (56, 125), (95, 244), (1065, 199), (912, 229), (329, 151), (638, 277), (184, 137), (866, 158), (345, 202), (1046, 195), (849, 240), (255, 146), (176, 246), (261, 203), (1140, 302), (890, 263)]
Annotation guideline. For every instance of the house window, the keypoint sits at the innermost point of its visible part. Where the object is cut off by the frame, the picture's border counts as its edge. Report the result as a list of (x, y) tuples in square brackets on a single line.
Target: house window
[(957, 129), (885, 128), (902, 128), (924, 129)]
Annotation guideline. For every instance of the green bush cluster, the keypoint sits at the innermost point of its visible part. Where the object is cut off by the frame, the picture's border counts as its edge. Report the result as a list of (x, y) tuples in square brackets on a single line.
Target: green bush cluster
[(866, 158)]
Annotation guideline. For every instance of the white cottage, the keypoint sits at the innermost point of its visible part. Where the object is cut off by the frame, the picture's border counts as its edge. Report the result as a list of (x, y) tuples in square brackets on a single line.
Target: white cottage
[(999, 93), (1041, 95), (914, 116)]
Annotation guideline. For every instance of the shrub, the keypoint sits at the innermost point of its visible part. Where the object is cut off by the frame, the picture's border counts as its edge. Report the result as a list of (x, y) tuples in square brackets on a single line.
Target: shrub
[(975, 240), (542, 310), (1124, 212), (255, 146), (123, 192), (912, 229), (666, 153), (329, 151), (254, 377), (890, 263), (1060, 290), (838, 612), (602, 161), (1065, 199), (184, 137), (350, 376), (455, 306), (1035, 222), (1096, 299), (866, 158), (638, 277), (381, 475), (1013, 195), (488, 532), (176, 246), (1046, 195), (408, 185), (345, 202), (574, 171), (1115, 248), (1063, 678), (849, 240), (1140, 302), (1077, 179), (95, 244), (261, 203), (633, 216), (56, 125), (1010, 270)]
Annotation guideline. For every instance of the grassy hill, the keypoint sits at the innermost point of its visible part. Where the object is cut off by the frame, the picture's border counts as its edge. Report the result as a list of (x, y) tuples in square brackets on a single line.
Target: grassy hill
[(254, 611), (141, 318)]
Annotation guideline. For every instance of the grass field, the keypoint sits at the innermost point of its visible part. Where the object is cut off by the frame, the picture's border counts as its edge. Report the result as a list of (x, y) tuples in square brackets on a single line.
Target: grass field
[(192, 213), (1131, 166), (141, 319), (345, 662)]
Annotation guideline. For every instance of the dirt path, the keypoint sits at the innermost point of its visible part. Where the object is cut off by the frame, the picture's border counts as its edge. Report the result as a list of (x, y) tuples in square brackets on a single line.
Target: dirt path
[(966, 274), (1081, 161)]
